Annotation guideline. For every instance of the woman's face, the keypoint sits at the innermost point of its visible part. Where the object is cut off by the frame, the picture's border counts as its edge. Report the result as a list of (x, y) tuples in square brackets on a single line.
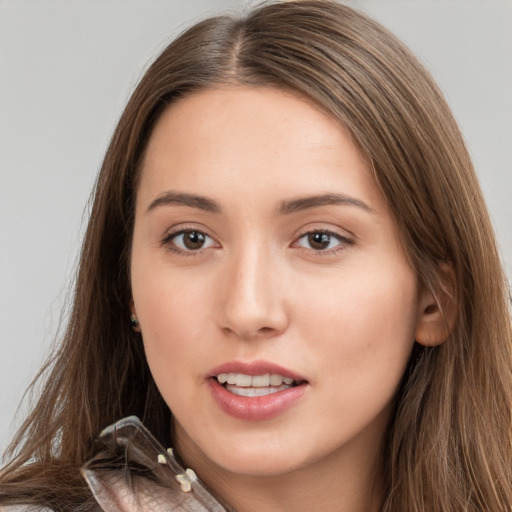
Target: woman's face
[(276, 305)]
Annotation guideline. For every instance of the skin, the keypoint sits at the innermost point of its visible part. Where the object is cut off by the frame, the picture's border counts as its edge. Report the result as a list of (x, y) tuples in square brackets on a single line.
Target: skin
[(344, 317)]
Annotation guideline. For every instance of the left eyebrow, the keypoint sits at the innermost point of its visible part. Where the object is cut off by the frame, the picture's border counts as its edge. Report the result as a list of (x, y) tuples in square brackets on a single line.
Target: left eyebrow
[(305, 203)]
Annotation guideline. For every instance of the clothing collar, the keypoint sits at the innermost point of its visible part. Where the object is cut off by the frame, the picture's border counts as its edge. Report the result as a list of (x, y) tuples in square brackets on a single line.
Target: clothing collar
[(131, 471)]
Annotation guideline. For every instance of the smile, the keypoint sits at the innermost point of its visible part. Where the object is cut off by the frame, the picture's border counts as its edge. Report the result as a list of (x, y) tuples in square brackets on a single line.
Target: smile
[(255, 391), (254, 385)]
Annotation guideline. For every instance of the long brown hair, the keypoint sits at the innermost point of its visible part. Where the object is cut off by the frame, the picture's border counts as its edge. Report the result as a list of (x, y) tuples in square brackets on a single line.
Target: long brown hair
[(449, 440)]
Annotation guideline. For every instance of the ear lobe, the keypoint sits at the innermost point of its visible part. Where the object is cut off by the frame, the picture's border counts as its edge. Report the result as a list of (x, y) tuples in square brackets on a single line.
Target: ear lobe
[(133, 318), (437, 310)]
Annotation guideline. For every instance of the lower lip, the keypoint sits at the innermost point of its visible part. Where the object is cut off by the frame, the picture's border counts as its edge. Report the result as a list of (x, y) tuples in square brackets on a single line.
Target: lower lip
[(255, 408)]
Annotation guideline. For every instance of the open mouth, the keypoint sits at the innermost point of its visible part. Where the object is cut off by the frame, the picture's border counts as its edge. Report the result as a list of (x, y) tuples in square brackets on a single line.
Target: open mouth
[(255, 385)]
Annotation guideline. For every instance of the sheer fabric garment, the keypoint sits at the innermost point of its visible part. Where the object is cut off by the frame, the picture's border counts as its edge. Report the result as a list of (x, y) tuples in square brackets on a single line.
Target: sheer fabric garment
[(132, 472)]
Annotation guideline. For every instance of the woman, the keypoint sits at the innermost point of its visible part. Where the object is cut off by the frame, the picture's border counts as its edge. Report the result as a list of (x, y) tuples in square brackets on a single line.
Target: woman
[(289, 250)]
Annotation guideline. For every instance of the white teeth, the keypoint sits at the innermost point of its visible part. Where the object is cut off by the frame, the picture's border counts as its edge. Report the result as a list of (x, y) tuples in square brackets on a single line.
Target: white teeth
[(242, 380), (276, 380), (260, 381), (256, 381), (268, 390)]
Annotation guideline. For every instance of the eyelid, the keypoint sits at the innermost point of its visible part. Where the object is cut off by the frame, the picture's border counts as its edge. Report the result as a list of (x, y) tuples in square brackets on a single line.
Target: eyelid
[(345, 240), (175, 231)]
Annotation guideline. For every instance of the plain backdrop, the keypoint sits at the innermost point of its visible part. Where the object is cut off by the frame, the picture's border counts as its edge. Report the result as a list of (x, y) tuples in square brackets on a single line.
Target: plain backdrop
[(66, 70)]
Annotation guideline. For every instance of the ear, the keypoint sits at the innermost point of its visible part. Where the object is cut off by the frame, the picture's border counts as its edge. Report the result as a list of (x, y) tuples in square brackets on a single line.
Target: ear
[(133, 317), (437, 310)]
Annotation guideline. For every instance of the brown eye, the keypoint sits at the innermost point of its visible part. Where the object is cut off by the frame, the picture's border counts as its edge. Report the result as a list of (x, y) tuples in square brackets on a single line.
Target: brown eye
[(322, 241), (190, 240), (319, 241), (193, 240)]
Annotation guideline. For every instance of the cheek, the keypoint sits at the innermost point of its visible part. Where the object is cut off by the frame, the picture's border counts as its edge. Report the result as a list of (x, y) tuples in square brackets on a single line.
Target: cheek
[(361, 329), (174, 317)]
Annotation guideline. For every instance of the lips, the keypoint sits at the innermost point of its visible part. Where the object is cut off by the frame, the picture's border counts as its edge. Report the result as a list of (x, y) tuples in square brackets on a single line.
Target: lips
[(255, 391)]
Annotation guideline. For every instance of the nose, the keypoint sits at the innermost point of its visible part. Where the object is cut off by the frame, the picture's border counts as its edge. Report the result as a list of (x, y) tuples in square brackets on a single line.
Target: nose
[(252, 297)]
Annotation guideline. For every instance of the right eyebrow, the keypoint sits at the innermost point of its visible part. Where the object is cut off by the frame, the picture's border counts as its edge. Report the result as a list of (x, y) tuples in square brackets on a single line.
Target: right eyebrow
[(172, 197)]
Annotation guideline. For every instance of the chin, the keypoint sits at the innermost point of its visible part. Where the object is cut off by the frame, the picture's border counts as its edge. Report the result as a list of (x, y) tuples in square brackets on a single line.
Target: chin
[(258, 457), (258, 465)]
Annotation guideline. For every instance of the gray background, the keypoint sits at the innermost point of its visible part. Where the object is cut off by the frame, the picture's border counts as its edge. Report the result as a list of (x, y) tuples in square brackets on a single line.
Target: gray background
[(66, 70)]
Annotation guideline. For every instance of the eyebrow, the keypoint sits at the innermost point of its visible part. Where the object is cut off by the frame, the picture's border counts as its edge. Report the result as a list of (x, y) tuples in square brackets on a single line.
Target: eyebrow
[(172, 197), (180, 198), (305, 203)]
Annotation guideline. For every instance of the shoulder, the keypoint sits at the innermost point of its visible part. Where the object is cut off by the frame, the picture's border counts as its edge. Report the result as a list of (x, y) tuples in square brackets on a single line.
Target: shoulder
[(132, 471)]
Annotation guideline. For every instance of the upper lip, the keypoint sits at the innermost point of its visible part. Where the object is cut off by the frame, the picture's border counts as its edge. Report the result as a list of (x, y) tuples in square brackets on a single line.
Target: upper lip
[(255, 368)]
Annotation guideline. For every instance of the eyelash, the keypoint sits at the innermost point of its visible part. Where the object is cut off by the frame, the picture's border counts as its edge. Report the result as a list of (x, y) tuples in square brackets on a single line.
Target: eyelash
[(343, 241), (169, 242)]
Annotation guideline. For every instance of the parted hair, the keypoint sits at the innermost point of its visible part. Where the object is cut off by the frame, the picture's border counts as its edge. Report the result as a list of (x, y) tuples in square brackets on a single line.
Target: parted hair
[(448, 443)]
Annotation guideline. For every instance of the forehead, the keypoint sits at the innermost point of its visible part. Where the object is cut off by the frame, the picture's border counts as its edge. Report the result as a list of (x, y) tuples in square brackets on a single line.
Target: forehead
[(217, 114), (248, 140)]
